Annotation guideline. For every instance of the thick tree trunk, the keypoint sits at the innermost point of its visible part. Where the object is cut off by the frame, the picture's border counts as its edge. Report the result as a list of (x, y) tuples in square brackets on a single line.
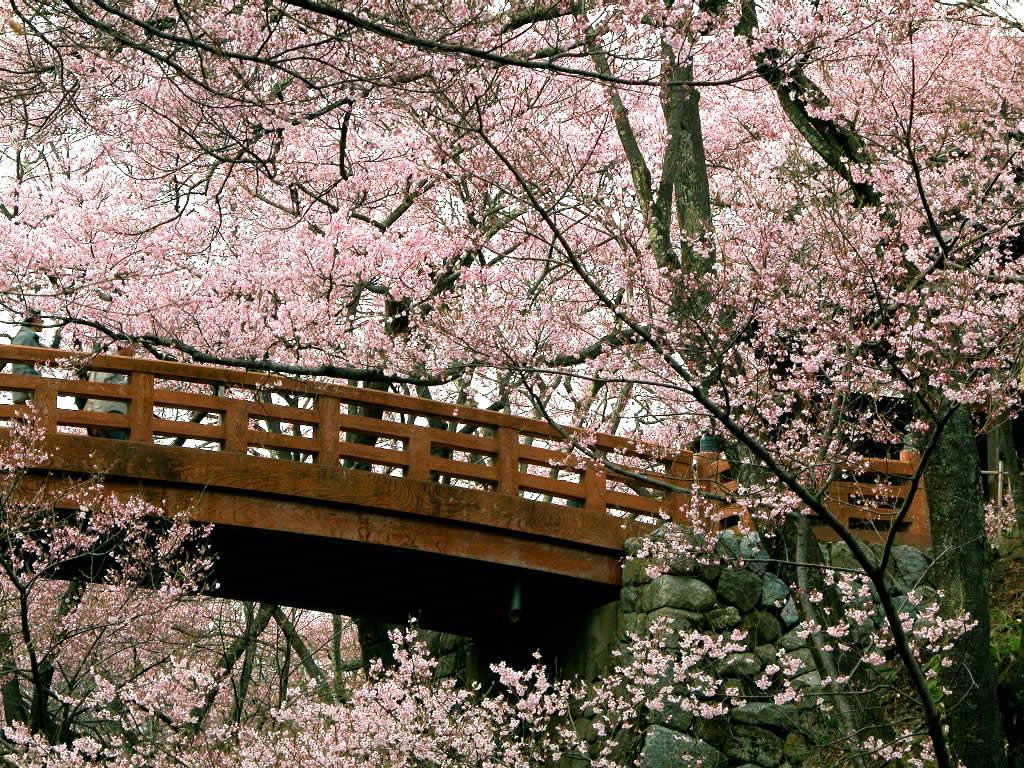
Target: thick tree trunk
[(10, 688), (1011, 700), (957, 514), (1011, 675)]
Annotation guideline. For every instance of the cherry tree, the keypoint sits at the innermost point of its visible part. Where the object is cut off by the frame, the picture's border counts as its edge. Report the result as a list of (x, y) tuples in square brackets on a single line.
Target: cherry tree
[(70, 557), (792, 225), (107, 646)]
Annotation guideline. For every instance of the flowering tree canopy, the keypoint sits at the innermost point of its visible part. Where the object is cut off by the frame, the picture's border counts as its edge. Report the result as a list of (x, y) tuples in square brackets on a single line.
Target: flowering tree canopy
[(795, 225)]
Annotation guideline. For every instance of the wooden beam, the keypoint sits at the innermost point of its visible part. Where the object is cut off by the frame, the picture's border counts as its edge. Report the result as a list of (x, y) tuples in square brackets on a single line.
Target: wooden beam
[(374, 528), (287, 481)]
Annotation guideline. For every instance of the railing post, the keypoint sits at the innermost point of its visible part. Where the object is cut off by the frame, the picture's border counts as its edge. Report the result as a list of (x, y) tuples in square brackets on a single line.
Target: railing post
[(418, 451), (593, 488), (507, 461), (140, 407), (236, 426), (705, 466), (328, 430), (917, 516), (44, 397), (680, 472)]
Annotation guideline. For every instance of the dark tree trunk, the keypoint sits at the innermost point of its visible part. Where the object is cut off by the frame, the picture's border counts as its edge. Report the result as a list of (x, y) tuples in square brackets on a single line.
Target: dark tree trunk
[(957, 514), (254, 625), (10, 688), (1011, 675)]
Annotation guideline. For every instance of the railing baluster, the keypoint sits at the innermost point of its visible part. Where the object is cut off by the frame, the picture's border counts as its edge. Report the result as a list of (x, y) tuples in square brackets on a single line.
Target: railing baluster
[(418, 449), (236, 426), (507, 461), (328, 430), (140, 407)]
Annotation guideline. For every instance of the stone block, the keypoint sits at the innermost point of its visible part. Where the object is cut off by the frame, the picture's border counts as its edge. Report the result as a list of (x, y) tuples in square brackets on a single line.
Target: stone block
[(723, 618), (714, 731), (664, 748), (791, 641), (729, 545), (447, 666), (751, 744), (677, 619), (767, 653), (809, 681), (585, 729), (765, 714), (909, 568), (841, 557), (634, 572), (631, 623), (681, 565), (753, 551), (633, 546), (710, 573), (628, 598), (443, 642), (789, 616), (746, 547), (741, 665), (761, 627), (671, 717), (795, 748), (775, 590), (741, 588), (680, 592)]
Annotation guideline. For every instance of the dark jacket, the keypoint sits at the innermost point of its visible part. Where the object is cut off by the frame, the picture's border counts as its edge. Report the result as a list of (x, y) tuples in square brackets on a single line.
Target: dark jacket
[(25, 337)]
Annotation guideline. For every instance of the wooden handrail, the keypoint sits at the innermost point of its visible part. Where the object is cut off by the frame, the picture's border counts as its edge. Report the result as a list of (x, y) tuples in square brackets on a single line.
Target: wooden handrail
[(206, 374), (494, 457)]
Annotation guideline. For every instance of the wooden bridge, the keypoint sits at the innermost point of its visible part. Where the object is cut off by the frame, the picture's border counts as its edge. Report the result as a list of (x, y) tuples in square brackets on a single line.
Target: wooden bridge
[(366, 502)]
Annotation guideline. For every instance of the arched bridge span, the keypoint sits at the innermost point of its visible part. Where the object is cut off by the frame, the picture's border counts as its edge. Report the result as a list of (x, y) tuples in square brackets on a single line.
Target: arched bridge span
[(366, 502)]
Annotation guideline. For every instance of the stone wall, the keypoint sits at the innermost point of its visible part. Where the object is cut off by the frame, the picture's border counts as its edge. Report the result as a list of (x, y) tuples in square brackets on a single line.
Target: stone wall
[(716, 600)]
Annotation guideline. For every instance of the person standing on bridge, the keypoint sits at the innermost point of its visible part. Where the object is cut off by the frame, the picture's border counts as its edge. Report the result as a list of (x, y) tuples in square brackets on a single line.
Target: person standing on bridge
[(27, 336), (109, 406)]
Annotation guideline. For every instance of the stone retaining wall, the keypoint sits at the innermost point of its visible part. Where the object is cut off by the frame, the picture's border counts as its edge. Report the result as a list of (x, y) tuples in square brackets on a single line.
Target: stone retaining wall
[(717, 600)]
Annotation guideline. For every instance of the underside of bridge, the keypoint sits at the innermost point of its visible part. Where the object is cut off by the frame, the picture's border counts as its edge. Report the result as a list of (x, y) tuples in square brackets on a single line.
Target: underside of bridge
[(504, 571), (468, 597)]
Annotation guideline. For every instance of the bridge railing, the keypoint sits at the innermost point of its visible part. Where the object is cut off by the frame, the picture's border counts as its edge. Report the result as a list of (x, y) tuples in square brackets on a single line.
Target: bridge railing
[(419, 439)]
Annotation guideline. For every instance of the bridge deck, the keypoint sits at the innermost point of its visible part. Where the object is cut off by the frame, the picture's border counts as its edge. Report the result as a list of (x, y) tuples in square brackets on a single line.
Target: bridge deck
[(383, 472)]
